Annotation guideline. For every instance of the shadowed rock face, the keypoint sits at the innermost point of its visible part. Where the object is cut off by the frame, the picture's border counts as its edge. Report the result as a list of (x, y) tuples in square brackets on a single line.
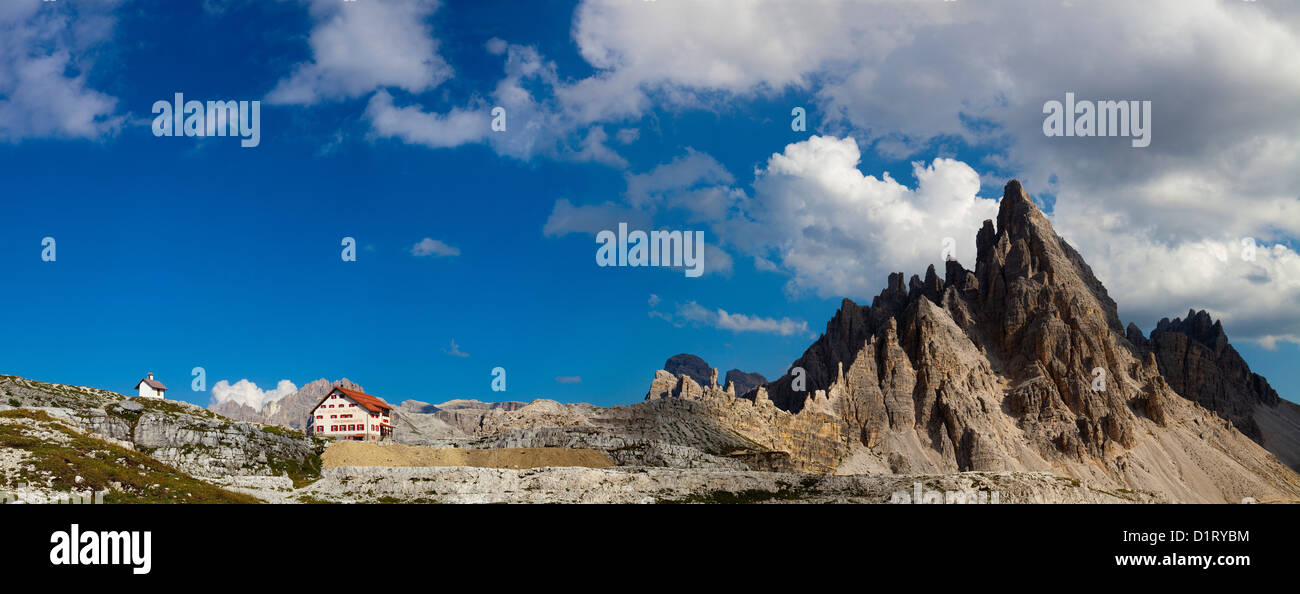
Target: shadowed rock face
[(1195, 358), (744, 382), (690, 366)]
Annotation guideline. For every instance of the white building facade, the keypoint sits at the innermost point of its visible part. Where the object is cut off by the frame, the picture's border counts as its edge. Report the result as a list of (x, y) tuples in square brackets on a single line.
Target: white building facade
[(150, 387), (351, 415)]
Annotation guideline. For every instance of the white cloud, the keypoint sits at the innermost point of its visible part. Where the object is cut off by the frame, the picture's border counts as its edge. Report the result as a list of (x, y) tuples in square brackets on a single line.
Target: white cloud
[(628, 135), (694, 183), (718, 261), (247, 393), (677, 181), (1222, 77), (46, 53), (532, 127), (899, 76), (594, 149), (591, 219), (454, 350), (1150, 279), (696, 314), (839, 232), (412, 125), (433, 247), (360, 47)]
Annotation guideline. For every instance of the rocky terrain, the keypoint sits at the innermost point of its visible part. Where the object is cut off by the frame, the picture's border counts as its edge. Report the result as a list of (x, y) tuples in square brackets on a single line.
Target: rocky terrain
[(461, 484), (186, 437), (46, 460), (355, 453)]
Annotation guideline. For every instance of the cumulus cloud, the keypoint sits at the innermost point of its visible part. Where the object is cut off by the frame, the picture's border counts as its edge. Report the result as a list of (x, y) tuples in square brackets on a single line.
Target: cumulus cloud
[(248, 394), (692, 313), (903, 78), (433, 247), (358, 48), (1221, 76), (839, 232), (412, 125), (45, 57)]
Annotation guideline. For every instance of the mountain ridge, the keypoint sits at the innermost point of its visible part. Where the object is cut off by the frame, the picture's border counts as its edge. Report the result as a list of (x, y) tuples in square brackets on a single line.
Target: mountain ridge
[(995, 369)]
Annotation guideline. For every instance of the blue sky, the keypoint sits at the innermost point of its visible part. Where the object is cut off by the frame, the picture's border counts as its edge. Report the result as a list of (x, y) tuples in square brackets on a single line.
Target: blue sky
[(175, 253)]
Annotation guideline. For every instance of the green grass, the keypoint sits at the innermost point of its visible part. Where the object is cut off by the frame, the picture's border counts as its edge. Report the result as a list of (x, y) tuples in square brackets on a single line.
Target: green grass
[(100, 464), (301, 473)]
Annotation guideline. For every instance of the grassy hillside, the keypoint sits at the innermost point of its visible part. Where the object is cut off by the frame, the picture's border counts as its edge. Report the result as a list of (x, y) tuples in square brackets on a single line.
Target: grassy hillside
[(51, 457)]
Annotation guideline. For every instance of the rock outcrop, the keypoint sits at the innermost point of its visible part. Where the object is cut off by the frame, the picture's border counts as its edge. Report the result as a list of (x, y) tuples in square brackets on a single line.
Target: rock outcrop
[(418, 422), (189, 438)]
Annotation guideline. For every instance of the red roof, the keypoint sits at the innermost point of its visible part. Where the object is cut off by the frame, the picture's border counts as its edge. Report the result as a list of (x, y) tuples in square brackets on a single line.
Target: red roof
[(371, 403), (155, 384)]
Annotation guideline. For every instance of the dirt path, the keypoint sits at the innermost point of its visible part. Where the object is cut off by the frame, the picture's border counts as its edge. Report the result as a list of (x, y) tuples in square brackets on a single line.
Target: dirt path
[(353, 453)]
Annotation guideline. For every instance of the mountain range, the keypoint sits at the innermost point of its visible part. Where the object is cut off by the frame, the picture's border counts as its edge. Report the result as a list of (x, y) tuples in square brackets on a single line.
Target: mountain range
[(1018, 365)]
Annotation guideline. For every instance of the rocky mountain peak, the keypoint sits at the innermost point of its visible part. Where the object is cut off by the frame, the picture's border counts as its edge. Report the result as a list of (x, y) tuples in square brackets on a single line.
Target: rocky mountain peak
[(939, 375), (1195, 357), (691, 366), (1199, 326)]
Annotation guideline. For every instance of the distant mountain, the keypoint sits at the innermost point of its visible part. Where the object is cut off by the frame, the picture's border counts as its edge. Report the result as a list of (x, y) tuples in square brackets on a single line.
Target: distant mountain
[(290, 411), (744, 382), (421, 422), (690, 366), (697, 369)]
